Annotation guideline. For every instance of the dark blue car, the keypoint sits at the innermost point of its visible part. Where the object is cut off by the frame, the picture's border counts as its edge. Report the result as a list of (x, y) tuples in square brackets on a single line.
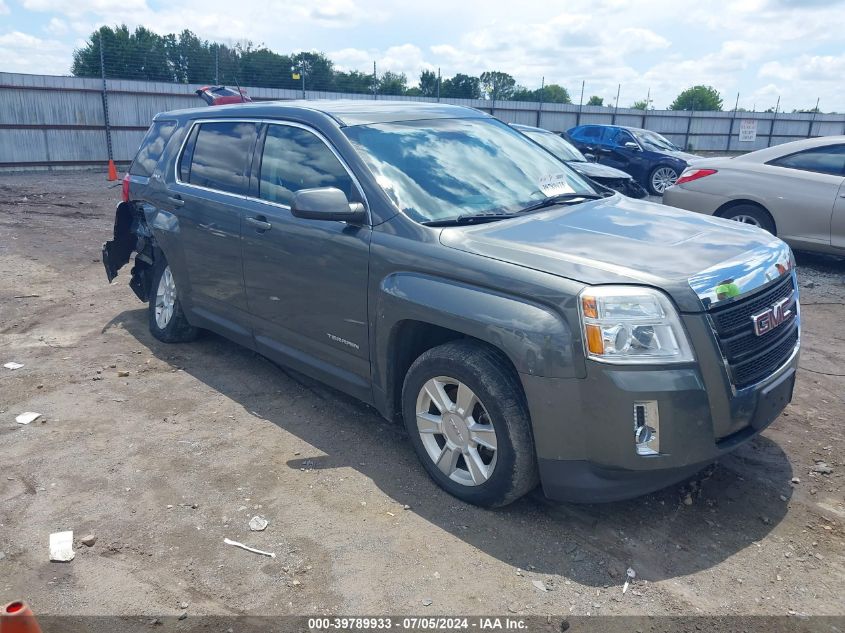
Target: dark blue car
[(650, 158)]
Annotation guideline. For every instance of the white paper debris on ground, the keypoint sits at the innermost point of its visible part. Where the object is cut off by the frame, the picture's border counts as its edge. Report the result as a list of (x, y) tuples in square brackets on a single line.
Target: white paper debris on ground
[(13, 365), (61, 547), (258, 524), (248, 548), (26, 418), (539, 584), (631, 574)]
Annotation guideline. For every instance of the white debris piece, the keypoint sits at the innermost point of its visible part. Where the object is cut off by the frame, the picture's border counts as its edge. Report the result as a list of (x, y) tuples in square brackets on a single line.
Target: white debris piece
[(61, 547), (631, 574), (13, 365), (248, 548), (539, 584), (258, 524), (26, 418)]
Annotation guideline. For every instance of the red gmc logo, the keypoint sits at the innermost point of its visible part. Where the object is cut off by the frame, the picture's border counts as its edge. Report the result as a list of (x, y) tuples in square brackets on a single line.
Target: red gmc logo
[(767, 321)]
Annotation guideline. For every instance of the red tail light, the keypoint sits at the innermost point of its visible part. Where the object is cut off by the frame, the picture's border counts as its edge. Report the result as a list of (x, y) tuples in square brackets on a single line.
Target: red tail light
[(126, 188), (691, 174)]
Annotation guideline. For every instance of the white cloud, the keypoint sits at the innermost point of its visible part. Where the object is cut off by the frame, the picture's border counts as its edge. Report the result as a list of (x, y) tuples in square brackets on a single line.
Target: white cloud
[(4, 8), (24, 53)]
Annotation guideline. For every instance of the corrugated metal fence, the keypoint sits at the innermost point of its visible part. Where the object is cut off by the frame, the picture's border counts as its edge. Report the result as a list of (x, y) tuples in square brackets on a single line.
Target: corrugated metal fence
[(48, 121)]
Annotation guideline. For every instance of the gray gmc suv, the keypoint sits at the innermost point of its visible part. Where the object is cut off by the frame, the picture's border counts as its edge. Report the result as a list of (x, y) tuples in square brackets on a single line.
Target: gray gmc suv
[(433, 262)]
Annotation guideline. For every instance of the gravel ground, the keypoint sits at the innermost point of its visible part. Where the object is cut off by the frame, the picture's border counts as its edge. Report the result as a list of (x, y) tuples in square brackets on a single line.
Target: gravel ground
[(163, 451)]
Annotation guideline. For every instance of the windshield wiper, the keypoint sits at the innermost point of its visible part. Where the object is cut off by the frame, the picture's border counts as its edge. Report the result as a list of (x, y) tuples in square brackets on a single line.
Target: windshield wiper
[(561, 199), (477, 218)]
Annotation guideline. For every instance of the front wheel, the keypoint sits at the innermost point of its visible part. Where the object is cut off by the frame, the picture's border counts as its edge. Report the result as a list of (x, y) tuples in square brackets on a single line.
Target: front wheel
[(166, 317), (662, 177), (750, 214), (468, 422)]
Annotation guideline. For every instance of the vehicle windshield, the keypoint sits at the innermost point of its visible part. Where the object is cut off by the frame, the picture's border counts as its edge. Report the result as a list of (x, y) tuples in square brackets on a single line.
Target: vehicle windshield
[(440, 169), (655, 141), (556, 145)]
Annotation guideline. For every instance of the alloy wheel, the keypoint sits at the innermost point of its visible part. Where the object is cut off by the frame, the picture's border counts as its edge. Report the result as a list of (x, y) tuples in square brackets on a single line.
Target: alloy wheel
[(747, 219), (456, 431), (663, 178), (165, 298)]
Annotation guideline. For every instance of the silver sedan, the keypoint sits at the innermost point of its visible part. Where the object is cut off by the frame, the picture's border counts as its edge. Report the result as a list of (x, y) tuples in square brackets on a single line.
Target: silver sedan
[(795, 190)]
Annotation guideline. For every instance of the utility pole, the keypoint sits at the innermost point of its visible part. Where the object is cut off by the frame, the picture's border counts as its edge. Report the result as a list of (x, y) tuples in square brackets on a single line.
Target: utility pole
[(647, 101), (375, 80), (217, 64), (438, 84)]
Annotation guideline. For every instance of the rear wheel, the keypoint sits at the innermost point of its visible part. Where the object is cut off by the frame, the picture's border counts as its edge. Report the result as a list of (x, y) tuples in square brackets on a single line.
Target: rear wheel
[(750, 214), (166, 317), (662, 177), (468, 422)]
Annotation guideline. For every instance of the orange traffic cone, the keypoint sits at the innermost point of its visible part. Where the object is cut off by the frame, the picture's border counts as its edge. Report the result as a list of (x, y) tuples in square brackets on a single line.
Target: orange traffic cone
[(112, 170), (17, 617)]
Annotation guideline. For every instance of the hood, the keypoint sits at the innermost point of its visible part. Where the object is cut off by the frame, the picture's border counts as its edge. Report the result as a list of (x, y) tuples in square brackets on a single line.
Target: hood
[(597, 170), (621, 240), (684, 156)]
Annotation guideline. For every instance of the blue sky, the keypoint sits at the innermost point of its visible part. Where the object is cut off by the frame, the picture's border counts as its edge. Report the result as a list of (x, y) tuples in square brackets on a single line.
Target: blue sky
[(760, 48)]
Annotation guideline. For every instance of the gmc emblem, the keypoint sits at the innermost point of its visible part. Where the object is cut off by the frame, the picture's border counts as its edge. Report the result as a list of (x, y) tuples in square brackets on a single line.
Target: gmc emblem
[(767, 321)]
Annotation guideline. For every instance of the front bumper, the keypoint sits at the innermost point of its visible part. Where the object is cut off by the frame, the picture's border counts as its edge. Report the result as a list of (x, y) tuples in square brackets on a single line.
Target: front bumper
[(584, 428)]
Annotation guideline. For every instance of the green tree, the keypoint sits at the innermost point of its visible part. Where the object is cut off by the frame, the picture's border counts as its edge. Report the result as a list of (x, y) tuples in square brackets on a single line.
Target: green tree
[(596, 101), (391, 83), (139, 55), (353, 81), (642, 104), (461, 87), (319, 69), (554, 93), (698, 98), (428, 83), (496, 85)]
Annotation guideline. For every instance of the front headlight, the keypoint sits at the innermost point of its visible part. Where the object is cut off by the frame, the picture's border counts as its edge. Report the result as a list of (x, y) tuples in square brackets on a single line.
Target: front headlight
[(632, 325)]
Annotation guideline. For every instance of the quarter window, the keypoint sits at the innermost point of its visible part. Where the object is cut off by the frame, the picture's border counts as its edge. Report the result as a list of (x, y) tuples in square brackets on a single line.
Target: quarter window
[(591, 132), (152, 148), (825, 160), (295, 159), (220, 155)]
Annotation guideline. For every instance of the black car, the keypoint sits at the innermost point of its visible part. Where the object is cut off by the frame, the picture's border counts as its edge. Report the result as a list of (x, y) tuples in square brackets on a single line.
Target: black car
[(564, 150), (650, 158)]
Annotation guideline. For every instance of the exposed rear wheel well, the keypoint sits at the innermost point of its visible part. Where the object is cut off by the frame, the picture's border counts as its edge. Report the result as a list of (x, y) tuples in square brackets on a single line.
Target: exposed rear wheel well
[(409, 341), (725, 209)]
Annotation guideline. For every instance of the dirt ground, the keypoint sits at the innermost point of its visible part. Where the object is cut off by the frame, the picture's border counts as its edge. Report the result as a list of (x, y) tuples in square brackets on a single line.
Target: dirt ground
[(163, 463)]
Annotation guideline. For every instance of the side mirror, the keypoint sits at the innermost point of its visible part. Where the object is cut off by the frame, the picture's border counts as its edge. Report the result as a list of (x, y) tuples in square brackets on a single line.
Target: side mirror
[(632, 145), (327, 203)]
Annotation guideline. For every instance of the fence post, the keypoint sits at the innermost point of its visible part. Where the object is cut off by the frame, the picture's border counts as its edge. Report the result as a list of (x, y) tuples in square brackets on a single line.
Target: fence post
[(689, 125), (813, 119), (580, 106), (112, 170), (438, 84), (616, 107), (540, 106), (375, 80), (733, 119), (217, 64), (772, 125)]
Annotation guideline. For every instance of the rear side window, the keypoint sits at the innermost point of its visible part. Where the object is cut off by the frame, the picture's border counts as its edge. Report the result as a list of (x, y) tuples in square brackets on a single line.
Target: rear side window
[(295, 159), (590, 132), (824, 160), (220, 154), (152, 148)]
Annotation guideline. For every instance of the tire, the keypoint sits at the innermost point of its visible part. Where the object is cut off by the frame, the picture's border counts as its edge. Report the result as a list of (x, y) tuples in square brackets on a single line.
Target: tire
[(660, 178), (175, 327), (495, 462), (750, 214)]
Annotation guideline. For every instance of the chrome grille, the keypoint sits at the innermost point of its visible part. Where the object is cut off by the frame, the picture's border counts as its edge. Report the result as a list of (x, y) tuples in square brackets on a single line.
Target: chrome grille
[(751, 358)]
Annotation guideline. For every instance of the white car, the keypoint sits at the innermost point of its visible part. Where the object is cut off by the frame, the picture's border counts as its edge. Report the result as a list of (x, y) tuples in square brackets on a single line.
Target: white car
[(795, 190)]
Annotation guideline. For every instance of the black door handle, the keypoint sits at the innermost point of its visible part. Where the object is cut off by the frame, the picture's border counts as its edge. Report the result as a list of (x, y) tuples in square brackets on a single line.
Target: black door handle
[(260, 223), (176, 199)]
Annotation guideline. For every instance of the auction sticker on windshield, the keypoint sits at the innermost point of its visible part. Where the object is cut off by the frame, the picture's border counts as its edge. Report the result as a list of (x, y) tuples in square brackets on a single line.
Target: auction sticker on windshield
[(555, 184)]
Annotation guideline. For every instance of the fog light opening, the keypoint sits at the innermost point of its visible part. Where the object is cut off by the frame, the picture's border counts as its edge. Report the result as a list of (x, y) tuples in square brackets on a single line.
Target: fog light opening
[(646, 428)]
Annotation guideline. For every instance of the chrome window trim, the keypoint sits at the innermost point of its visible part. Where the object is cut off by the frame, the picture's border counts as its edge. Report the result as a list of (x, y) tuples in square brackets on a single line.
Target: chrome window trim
[(295, 124)]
